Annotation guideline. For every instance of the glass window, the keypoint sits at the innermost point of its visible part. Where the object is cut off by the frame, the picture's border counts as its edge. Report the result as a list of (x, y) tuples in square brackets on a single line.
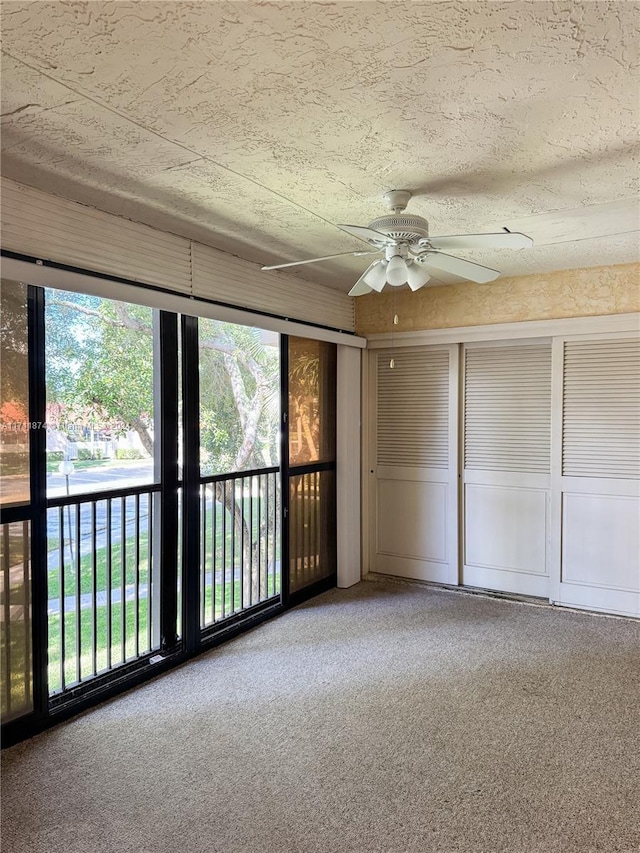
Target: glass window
[(99, 357), (312, 401), (239, 397), (14, 395), (16, 697), (312, 528)]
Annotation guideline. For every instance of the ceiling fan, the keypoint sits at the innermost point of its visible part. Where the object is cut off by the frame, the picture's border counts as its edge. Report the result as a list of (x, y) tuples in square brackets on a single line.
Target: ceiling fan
[(410, 255)]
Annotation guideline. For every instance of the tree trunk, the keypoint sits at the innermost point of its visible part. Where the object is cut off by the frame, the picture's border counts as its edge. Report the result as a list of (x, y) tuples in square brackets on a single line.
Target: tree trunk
[(225, 496), (313, 450), (145, 437)]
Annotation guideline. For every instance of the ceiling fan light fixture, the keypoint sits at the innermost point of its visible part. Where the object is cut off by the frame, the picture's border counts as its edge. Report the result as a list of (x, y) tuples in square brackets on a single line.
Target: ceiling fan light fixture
[(410, 250), (397, 271), (377, 276), (417, 276)]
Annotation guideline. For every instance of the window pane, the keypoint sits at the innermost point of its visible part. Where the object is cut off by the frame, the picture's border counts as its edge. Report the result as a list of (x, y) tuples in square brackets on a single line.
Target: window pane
[(312, 536), (15, 621), (312, 401), (100, 393), (239, 397), (14, 395)]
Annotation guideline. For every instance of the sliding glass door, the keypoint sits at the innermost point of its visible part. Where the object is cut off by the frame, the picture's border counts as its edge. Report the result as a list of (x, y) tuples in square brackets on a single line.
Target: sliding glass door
[(239, 471), (111, 555), (166, 482), (16, 697), (311, 465)]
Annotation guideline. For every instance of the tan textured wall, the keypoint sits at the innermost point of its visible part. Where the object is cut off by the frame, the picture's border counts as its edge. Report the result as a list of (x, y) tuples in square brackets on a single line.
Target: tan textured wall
[(568, 293)]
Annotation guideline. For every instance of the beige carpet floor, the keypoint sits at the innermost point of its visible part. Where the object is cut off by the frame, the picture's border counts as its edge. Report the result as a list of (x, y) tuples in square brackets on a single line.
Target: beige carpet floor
[(387, 718)]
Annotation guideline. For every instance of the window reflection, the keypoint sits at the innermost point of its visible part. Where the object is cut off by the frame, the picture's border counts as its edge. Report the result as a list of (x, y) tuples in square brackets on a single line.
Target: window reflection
[(14, 395), (312, 537), (15, 621), (312, 389)]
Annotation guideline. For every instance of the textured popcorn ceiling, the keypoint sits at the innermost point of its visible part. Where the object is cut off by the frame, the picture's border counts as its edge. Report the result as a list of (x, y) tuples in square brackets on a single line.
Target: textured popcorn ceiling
[(255, 126)]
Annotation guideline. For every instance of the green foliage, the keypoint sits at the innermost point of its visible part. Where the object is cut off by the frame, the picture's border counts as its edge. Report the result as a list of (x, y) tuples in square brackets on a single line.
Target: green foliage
[(221, 427), (71, 337), (128, 453), (86, 453), (99, 359), (55, 456), (119, 379), (100, 368), (14, 463), (13, 334)]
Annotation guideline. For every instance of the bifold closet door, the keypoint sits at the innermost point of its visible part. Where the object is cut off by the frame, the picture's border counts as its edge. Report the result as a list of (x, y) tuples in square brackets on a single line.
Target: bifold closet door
[(506, 466), (596, 512), (413, 474)]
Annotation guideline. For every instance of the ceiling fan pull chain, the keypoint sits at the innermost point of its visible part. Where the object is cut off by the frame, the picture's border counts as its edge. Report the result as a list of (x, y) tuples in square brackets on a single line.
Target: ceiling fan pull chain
[(392, 361)]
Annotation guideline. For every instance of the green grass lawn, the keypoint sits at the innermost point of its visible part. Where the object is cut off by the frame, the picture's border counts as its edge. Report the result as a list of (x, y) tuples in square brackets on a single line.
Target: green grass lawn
[(86, 626), (96, 629), (101, 561), (93, 626), (113, 639)]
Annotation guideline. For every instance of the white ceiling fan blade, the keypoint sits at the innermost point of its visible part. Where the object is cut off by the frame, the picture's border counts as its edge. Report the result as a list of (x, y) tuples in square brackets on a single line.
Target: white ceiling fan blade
[(458, 266), (366, 234), (502, 240), (361, 288), (315, 260)]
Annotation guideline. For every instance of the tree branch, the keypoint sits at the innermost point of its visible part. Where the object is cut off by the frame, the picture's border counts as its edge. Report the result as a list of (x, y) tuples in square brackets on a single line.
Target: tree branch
[(123, 319)]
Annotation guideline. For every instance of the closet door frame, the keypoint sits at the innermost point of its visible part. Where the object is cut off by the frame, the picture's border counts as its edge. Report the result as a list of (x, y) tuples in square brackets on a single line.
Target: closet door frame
[(487, 576), (445, 572), (610, 599)]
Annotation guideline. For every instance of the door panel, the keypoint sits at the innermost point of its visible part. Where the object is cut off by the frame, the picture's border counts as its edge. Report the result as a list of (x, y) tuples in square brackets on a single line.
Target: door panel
[(506, 479), (419, 513), (16, 682), (506, 528), (414, 482), (312, 528), (596, 517), (16, 506), (311, 452), (600, 543)]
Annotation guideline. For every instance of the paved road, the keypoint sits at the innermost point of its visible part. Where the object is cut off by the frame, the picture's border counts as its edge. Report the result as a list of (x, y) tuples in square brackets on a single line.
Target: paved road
[(112, 475)]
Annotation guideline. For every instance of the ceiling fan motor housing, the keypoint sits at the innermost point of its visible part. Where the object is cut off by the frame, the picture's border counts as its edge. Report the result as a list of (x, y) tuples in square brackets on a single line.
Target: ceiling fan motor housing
[(402, 227)]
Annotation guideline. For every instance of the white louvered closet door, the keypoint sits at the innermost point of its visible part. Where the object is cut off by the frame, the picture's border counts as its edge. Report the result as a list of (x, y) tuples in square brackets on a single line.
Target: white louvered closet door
[(413, 470), (507, 466), (596, 516)]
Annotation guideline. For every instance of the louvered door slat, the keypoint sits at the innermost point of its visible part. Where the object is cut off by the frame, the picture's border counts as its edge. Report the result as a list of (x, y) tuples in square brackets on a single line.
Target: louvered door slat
[(601, 409), (413, 409), (508, 408)]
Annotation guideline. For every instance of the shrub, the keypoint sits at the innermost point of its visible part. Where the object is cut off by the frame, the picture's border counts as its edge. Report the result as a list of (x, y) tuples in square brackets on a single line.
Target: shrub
[(128, 453), (85, 453), (55, 455)]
